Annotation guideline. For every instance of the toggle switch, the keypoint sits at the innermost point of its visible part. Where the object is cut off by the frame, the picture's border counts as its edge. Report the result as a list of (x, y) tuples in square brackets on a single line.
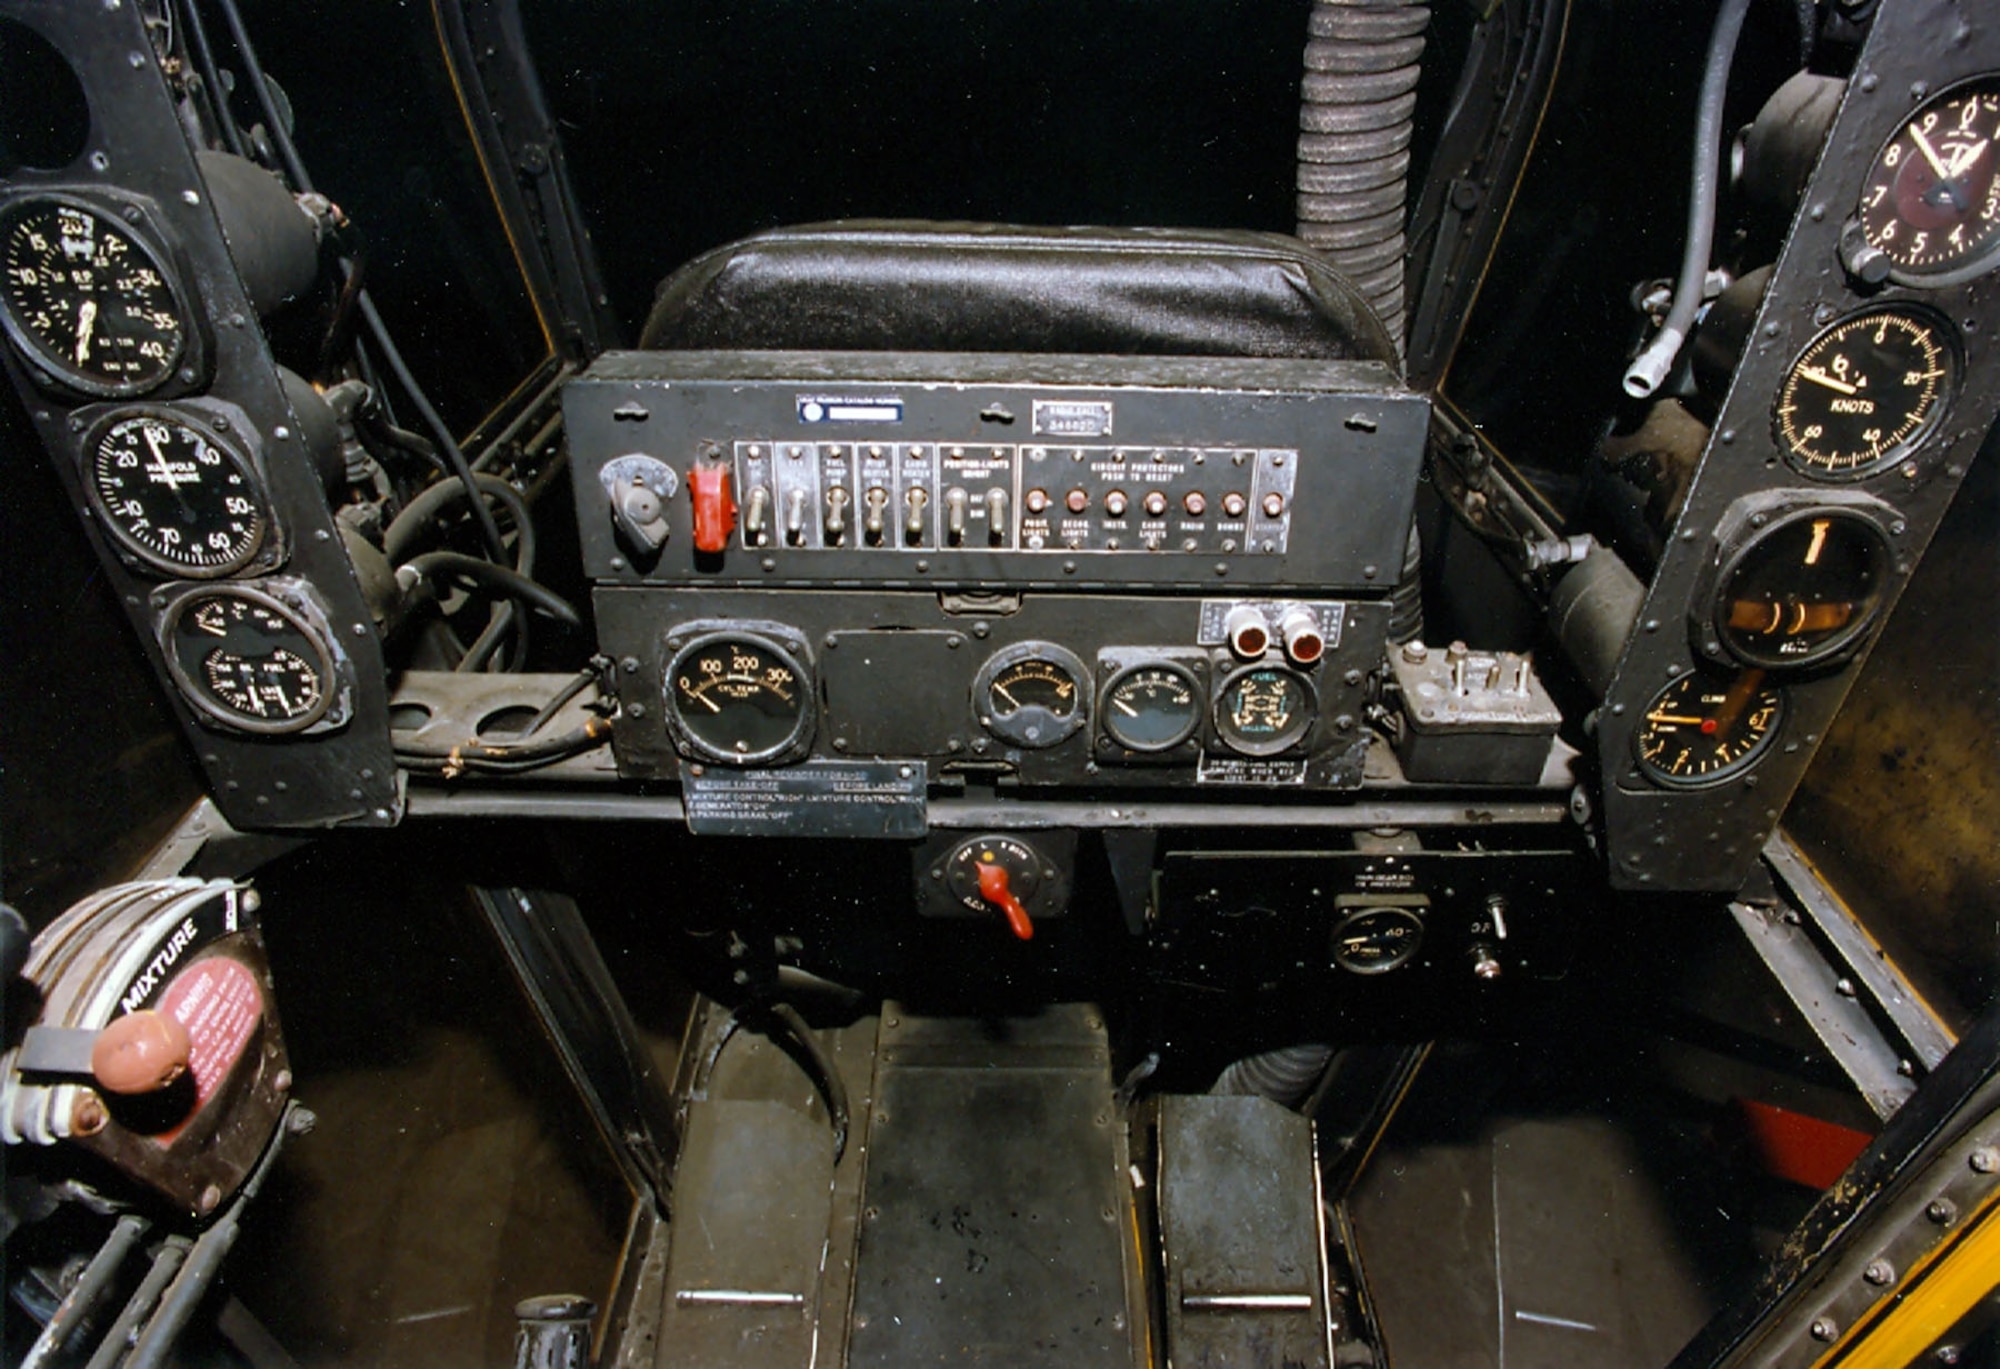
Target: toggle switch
[(996, 516), (914, 521), (757, 516), (795, 518), (836, 514), (877, 500), (956, 502)]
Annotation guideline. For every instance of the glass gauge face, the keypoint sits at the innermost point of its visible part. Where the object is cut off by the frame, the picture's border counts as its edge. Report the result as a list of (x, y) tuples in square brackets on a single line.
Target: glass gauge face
[(1803, 590), (87, 301), (739, 698), (1034, 694), (246, 659), (1931, 202), (173, 496), (1377, 940), (1152, 707), (1864, 392), (1264, 710), (1703, 728)]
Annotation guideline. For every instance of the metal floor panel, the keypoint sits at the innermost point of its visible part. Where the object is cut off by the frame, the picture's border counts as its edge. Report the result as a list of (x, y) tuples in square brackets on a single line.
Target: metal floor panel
[(996, 1227), (1544, 1244)]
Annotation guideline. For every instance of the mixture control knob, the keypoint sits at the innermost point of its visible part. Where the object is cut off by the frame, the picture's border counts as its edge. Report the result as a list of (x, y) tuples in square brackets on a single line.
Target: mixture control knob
[(140, 1052), (795, 518), (994, 887), (757, 516), (956, 502), (638, 489), (836, 514), (714, 508), (877, 500), (996, 516), (916, 502)]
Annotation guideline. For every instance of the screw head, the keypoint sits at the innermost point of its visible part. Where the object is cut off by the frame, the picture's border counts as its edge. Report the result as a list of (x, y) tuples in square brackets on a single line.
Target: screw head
[(1880, 1273), (1943, 1211), (1984, 1160), (1824, 1328)]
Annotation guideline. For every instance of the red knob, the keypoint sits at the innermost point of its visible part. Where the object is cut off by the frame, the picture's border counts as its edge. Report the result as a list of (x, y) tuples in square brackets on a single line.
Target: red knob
[(993, 888), (714, 508), (140, 1052)]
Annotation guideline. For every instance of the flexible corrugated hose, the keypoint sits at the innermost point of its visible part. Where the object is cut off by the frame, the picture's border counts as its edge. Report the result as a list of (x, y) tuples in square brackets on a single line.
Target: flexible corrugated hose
[(1355, 107)]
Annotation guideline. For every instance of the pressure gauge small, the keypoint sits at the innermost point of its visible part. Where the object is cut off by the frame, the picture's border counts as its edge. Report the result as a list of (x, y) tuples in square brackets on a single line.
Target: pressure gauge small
[(1151, 706), (175, 494), (1033, 694), (1865, 392), (248, 660), (87, 301), (1377, 940), (1704, 728), (1931, 201), (740, 698)]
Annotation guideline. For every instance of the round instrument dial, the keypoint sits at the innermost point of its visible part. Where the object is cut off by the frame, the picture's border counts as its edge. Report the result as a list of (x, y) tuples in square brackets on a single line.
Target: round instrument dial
[(249, 660), (1864, 392), (739, 698), (1154, 706), (174, 495), (1931, 201), (1033, 694), (87, 301), (1703, 729), (1377, 940), (1262, 710), (1804, 589)]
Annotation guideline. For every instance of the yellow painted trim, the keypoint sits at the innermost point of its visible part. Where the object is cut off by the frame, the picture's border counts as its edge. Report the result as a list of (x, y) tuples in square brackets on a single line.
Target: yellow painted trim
[(1938, 1291)]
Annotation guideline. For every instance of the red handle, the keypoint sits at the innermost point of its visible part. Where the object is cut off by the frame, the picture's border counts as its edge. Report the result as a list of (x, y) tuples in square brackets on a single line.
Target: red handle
[(994, 889), (714, 508)]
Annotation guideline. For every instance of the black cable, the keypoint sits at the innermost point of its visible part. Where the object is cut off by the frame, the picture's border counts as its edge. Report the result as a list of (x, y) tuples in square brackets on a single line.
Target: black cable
[(211, 78), (455, 461), (585, 678), (505, 626), (498, 757), (818, 1064), (403, 532), (445, 564)]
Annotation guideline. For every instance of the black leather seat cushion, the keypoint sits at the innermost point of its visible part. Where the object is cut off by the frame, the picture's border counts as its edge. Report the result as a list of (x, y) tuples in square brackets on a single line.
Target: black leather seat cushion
[(873, 285)]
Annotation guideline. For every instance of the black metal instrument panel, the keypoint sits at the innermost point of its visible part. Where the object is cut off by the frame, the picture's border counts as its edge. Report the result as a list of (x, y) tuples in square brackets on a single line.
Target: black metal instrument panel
[(154, 391), (1861, 397)]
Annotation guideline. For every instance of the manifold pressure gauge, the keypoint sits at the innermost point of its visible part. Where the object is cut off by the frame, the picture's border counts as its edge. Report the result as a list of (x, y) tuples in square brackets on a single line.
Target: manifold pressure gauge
[(742, 698), (1931, 201), (86, 300), (1864, 392), (1705, 728), (248, 660), (175, 494)]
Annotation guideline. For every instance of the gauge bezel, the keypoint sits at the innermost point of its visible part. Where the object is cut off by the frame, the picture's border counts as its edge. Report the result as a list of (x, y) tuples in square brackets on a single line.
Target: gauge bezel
[(1982, 261), (781, 642), (1731, 770), (262, 551), (1947, 393), (1293, 737), (197, 694), (1013, 727), (129, 218), (1112, 682), (1834, 649), (1374, 910)]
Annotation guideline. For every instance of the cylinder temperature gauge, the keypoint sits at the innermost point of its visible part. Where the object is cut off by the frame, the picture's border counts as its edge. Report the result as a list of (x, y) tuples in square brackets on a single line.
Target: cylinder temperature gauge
[(739, 697)]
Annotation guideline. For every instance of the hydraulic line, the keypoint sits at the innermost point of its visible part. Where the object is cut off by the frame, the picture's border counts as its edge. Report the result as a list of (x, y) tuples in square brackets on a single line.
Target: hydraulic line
[(442, 564), (1285, 1075), (1355, 120), (1657, 360)]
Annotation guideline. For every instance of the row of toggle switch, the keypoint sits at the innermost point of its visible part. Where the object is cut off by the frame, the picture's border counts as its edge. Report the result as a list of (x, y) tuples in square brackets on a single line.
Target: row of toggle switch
[(915, 522)]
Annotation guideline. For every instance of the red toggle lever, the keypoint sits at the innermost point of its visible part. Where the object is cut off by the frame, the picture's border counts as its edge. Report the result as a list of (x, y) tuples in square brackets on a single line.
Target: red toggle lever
[(714, 508), (993, 888)]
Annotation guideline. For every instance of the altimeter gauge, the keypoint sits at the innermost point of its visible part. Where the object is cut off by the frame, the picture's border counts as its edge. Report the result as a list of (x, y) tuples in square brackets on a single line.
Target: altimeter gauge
[(1931, 200), (87, 301)]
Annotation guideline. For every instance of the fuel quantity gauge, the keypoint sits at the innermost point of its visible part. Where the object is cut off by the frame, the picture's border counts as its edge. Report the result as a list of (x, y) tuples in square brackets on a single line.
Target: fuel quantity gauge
[(1033, 694), (1706, 728)]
